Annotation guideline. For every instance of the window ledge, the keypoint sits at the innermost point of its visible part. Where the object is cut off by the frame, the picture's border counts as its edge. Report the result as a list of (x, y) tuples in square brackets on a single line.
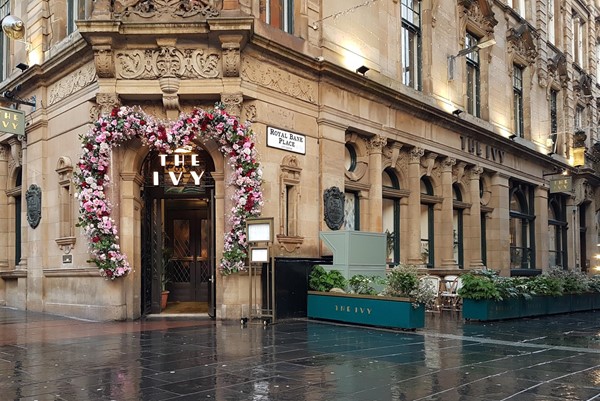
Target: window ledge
[(13, 274)]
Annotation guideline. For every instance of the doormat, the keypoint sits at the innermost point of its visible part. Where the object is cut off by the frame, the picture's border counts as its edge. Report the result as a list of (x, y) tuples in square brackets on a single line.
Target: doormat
[(186, 307)]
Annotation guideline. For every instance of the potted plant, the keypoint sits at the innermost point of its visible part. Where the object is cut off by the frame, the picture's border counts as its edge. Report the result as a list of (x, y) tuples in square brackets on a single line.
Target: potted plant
[(399, 303)]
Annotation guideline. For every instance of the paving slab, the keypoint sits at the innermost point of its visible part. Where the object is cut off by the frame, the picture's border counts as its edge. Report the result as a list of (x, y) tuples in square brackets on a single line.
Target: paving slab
[(46, 357)]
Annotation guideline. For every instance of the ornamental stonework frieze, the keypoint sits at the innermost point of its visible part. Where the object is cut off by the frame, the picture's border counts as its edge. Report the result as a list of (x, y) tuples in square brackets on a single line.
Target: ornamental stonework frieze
[(279, 80), (105, 66), (233, 103), (478, 13), (167, 62), (71, 83), (521, 41), (160, 9)]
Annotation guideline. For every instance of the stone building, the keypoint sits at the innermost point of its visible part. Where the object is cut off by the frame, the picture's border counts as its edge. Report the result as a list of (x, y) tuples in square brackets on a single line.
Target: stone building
[(465, 129)]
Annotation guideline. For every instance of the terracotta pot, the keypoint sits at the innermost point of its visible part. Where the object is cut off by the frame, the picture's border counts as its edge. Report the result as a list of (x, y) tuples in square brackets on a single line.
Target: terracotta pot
[(163, 299)]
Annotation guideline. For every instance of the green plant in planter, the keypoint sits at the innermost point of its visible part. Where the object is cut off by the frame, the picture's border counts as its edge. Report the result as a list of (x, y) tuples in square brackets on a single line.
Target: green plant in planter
[(360, 284), (403, 281), (322, 280), (574, 282), (479, 285), (595, 283), (545, 285)]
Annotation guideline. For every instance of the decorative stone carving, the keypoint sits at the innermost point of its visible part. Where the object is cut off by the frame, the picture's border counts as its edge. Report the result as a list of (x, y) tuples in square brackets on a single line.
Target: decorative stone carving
[(333, 200), (233, 103), (169, 86), (64, 168), (479, 13), (101, 9), (33, 196), (278, 80), (521, 40), (448, 163), (105, 65), (415, 155), (105, 102), (16, 153), (71, 83), (458, 171), (392, 152), (148, 9), (167, 62), (428, 163), (376, 144), (475, 172), (231, 54), (251, 113), (557, 67)]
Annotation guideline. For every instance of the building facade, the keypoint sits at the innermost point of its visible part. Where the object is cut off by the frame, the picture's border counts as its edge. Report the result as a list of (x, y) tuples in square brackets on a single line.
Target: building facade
[(466, 130)]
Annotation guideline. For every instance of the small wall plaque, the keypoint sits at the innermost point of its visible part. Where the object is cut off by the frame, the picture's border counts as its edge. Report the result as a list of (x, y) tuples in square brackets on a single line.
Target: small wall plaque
[(333, 200), (67, 258)]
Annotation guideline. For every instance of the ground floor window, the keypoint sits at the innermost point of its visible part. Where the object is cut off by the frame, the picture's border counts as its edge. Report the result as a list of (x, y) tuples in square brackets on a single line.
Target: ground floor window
[(557, 232), (351, 211), (522, 234)]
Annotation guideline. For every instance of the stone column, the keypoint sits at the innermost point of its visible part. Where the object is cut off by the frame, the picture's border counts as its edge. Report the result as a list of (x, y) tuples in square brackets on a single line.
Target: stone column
[(375, 147), (414, 206), (498, 244), (472, 232), (572, 245), (446, 243), (4, 152), (542, 247)]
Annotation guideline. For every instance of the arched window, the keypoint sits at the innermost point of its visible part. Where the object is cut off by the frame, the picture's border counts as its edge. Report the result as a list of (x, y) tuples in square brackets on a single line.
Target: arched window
[(521, 227), (391, 214), (457, 228), (427, 231), (557, 232)]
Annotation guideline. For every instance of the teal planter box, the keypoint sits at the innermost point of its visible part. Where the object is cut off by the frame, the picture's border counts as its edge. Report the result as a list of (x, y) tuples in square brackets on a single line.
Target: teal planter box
[(559, 304), (365, 310), (581, 302), (536, 306), (492, 310)]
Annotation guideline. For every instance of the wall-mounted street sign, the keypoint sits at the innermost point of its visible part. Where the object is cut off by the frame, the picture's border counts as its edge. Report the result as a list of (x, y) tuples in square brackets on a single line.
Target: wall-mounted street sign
[(280, 139), (12, 121), (562, 184)]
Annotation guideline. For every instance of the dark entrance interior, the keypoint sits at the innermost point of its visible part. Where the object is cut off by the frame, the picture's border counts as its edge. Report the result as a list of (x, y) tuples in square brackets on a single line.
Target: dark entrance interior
[(178, 234), (187, 229)]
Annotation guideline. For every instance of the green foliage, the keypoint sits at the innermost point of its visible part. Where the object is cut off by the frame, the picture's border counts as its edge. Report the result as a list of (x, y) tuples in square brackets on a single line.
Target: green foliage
[(360, 284), (574, 282), (595, 283), (401, 281), (545, 284), (322, 280), (480, 285)]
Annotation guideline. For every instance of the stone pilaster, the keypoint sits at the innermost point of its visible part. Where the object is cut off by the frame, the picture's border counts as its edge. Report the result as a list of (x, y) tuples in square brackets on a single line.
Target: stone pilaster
[(414, 206), (472, 232), (498, 244), (542, 247), (375, 147), (446, 237)]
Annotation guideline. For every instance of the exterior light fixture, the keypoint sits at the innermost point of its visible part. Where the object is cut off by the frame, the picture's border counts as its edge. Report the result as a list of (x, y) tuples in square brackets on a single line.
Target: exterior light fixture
[(512, 136), (22, 66), (362, 70), (13, 27), (457, 112), (464, 52)]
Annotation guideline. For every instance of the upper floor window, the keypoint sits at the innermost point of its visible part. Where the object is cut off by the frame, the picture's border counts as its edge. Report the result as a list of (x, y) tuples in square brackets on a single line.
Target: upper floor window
[(578, 118), (75, 11), (518, 99), (579, 43), (473, 79), (278, 13), (518, 6), (4, 57), (551, 22), (411, 43), (552, 140)]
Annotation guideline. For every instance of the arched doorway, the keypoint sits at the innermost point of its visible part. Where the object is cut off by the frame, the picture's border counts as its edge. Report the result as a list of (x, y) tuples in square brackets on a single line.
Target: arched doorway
[(178, 232)]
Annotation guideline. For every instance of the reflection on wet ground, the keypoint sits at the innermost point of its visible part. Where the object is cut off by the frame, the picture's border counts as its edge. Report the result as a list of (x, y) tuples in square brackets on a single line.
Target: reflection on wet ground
[(44, 357)]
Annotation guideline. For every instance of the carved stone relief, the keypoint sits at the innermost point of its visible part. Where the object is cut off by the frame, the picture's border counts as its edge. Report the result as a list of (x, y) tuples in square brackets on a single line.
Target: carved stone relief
[(278, 80), (250, 113), (233, 103), (33, 197), (4, 152), (428, 162), (160, 9), (478, 13), (521, 41), (333, 200), (105, 102), (71, 83), (105, 65), (376, 144), (415, 155), (167, 62)]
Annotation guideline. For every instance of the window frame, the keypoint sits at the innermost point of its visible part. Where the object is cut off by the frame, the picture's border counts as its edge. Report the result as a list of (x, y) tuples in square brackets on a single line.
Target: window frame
[(557, 204), (473, 94), (430, 240), (396, 213), (286, 18), (411, 41), (518, 104), (525, 216)]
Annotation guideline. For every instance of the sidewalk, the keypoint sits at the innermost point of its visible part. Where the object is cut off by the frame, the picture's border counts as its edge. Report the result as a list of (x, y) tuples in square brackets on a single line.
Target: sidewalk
[(44, 357)]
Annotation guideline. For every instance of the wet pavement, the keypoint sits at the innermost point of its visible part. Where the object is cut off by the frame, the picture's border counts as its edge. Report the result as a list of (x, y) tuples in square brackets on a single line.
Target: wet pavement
[(45, 357)]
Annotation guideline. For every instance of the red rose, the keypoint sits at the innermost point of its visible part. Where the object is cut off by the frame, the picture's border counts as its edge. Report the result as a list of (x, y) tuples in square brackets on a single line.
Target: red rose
[(95, 239), (142, 122), (109, 273), (114, 112)]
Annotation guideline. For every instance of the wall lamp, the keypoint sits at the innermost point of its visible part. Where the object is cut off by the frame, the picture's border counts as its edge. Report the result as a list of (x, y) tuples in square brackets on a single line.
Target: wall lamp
[(464, 52), (556, 171), (512, 136), (362, 70), (22, 66), (457, 112)]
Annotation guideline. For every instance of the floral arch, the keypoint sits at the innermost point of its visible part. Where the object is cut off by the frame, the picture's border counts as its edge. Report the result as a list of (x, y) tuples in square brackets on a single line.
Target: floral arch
[(234, 139)]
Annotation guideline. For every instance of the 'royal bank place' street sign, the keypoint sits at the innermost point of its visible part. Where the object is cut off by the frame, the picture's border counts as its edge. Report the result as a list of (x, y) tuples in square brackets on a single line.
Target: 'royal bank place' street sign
[(280, 139), (12, 121)]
